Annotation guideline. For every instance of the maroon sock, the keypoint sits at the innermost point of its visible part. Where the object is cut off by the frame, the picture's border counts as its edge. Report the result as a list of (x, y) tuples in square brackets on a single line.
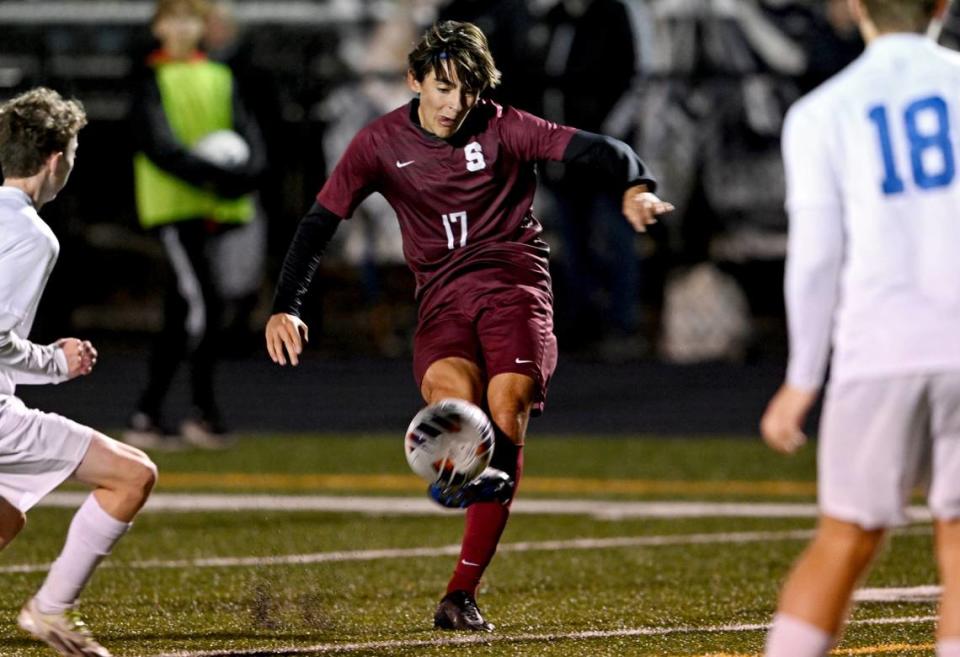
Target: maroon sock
[(484, 526)]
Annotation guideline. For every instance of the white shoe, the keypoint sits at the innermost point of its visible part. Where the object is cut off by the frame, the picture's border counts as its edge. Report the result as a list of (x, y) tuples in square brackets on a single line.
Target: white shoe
[(204, 435), (144, 433), (66, 633), (152, 442)]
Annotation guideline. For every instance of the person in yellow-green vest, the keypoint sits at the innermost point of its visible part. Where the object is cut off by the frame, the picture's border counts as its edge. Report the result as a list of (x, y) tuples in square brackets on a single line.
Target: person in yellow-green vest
[(199, 157)]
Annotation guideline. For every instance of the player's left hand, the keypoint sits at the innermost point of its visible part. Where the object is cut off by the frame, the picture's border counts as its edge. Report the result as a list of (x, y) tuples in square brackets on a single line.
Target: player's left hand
[(81, 356), (641, 207), (782, 422)]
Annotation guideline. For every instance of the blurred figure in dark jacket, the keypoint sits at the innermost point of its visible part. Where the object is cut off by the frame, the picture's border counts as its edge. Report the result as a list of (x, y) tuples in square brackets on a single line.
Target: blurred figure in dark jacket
[(588, 63), (708, 109)]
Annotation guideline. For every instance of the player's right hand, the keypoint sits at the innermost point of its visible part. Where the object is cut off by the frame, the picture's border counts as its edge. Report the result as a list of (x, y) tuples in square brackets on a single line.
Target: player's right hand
[(782, 422), (642, 207), (80, 354), (286, 333)]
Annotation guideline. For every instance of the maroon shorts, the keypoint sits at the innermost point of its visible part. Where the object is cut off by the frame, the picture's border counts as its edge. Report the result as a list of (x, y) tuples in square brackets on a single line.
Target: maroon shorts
[(500, 320)]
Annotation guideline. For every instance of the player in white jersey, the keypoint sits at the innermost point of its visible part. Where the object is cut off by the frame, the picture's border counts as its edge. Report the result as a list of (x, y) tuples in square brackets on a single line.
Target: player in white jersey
[(38, 451), (873, 270)]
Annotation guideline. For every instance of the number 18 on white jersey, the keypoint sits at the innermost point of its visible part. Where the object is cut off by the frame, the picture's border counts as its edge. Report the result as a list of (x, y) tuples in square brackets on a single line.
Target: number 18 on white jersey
[(874, 201)]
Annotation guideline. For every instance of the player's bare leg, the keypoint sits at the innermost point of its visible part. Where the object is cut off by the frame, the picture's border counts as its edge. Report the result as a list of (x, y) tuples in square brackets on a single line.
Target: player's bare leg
[(948, 559), (12, 521), (816, 595), (122, 477), (452, 377), (510, 397)]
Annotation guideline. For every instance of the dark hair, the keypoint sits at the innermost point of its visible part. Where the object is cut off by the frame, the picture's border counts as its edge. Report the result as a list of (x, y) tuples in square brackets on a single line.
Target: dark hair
[(901, 15), (462, 44), (34, 126)]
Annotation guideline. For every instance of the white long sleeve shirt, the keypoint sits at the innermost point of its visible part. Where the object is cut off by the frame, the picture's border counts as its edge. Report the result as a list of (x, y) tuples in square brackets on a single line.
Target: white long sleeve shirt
[(28, 252), (872, 162)]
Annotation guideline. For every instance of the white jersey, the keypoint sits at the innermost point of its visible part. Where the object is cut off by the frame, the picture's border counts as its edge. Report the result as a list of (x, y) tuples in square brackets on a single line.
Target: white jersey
[(28, 252), (873, 193)]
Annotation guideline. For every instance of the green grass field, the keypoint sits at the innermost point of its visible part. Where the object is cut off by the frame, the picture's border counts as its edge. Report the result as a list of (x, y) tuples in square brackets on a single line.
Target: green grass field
[(588, 571)]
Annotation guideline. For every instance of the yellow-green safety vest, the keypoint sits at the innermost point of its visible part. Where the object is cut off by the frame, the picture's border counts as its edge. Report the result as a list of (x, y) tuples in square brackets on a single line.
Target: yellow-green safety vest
[(197, 99)]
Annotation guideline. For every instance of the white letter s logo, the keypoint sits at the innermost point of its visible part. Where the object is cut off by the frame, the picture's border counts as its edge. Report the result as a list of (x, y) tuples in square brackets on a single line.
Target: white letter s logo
[(474, 154)]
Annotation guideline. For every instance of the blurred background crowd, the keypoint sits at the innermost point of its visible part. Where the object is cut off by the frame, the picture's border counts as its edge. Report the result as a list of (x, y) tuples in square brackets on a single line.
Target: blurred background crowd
[(698, 87)]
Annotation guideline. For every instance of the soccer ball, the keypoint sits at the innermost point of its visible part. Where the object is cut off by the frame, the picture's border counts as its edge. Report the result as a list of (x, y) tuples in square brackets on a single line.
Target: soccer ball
[(449, 443), (223, 147)]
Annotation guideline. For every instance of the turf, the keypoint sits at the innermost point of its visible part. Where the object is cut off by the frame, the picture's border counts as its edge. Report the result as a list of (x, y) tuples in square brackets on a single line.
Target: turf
[(668, 599)]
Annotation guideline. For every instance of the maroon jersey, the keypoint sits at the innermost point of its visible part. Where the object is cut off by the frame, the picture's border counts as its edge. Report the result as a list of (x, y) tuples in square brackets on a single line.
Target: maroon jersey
[(462, 203)]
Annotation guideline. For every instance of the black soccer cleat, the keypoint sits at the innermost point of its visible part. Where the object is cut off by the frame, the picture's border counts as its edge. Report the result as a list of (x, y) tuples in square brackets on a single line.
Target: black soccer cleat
[(459, 611), (492, 485)]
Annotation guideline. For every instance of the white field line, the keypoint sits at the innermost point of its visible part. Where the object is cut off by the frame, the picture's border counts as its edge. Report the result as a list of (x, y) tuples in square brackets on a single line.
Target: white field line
[(453, 550), (445, 550), (925, 593), (328, 648), (602, 509)]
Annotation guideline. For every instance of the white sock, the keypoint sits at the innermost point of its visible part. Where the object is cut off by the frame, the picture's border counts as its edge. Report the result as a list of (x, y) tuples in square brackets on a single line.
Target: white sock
[(948, 647), (792, 637), (92, 535)]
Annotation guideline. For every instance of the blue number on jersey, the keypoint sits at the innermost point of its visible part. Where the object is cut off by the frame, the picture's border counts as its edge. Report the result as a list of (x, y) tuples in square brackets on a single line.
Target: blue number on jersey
[(920, 143), (892, 183)]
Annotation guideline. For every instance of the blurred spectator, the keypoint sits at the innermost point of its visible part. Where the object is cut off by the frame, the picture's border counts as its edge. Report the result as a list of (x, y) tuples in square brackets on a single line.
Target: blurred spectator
[(722, 77), (200, 157), (828, 33), (588, 63), (708, 110)]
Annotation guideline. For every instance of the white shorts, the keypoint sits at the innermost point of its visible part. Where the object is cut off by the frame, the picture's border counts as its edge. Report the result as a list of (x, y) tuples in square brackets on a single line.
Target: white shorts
[(38, 451), (880, 439)]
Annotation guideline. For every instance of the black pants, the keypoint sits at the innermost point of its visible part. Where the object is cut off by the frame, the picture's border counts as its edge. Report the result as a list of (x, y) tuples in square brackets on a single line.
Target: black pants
[(192, 317)]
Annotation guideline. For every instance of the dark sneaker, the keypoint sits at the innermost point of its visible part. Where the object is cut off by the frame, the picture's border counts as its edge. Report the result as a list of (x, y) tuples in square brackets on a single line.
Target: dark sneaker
[(459, 611), (206, 434), (492, 485), (146, 433)]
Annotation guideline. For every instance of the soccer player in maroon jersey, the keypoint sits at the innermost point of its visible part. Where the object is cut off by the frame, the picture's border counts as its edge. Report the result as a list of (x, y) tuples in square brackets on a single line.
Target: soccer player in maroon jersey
[(460, 173)]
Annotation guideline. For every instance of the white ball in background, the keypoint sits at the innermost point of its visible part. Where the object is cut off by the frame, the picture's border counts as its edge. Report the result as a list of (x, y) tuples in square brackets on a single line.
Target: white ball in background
[(223, 147)]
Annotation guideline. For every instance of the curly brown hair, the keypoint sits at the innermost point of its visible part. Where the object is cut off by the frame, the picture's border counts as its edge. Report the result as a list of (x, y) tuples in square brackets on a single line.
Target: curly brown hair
[(463, 44), (35, 125)]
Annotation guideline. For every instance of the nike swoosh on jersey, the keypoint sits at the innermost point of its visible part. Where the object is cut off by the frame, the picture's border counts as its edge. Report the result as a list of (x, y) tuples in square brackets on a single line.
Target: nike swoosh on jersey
[(400, 164), (520, 361), (468, 563)]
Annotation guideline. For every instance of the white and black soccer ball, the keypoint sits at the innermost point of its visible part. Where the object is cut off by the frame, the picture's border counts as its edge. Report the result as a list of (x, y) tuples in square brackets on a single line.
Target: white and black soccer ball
[(449, 443), (223, 147)]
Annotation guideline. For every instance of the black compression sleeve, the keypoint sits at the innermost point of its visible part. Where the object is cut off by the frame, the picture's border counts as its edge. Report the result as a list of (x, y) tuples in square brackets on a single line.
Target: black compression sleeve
[(314, 233), (611, 156)]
